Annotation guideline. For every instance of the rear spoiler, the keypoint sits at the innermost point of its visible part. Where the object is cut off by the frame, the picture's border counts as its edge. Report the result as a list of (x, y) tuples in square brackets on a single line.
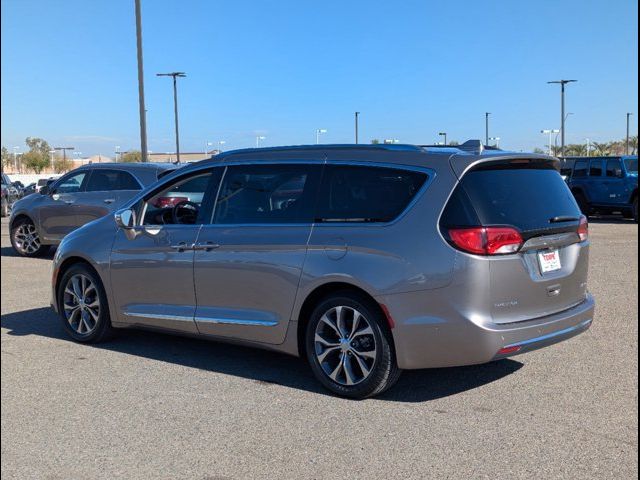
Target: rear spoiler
[(462, 164)]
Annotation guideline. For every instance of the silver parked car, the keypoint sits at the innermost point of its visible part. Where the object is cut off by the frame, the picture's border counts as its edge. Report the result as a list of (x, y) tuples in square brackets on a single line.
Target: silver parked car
[(82, 195), (364, 259)]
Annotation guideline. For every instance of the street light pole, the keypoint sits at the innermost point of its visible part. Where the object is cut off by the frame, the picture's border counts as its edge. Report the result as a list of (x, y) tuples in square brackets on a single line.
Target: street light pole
[(64, 152), (143, 111), (562, 116), (627, 144), (258, 138), (356, 115), (318, 133), (550, 133), (444, 134), (486, 127), (175, 75)]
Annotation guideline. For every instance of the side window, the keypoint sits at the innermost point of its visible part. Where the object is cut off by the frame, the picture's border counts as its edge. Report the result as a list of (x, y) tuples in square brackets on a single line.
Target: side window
[(366, 194), (595, 169), (109, 180), (183, 201), (267, 194), (614, 168), (581, 169), (70, 184)]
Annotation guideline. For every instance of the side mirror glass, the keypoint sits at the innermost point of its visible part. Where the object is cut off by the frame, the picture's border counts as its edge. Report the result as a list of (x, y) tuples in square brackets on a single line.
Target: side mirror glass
[(44, 190), (125, 218)]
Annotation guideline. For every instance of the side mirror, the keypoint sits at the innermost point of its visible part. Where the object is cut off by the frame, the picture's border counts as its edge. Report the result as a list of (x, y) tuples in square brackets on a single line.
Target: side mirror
[(125, 219), (44, 190)]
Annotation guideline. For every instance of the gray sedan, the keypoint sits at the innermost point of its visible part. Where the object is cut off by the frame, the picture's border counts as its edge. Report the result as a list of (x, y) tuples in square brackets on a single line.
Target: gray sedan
[(79, 197)]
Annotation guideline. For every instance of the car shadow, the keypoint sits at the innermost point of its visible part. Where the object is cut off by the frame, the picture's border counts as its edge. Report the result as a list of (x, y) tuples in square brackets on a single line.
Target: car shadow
[(611, 219), (10, 252), (261, 366)]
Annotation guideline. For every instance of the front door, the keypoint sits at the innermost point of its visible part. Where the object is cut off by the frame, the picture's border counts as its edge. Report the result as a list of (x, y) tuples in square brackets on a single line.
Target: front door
[(57, 212), (249, 260), (152, 273)]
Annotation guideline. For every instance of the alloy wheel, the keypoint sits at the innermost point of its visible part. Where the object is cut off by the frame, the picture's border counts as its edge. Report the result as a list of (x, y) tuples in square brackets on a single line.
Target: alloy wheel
[(81, 304), (26, 238), (345, 346)]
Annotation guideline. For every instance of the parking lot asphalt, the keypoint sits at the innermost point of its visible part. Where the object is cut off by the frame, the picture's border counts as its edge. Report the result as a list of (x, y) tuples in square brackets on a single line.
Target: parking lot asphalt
[(148, 405)]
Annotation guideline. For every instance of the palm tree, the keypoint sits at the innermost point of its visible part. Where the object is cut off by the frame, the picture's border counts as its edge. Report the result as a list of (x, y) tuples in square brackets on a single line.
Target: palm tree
[(633, 145), (601, 149)]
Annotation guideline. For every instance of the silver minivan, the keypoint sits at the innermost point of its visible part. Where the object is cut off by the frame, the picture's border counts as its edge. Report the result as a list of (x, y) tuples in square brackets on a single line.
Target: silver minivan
[(366, 260)]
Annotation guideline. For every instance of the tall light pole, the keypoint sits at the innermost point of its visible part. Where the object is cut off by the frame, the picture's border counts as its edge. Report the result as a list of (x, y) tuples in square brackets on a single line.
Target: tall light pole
[(206, 147), (15, 158), (357, 114), (258, 138), (444, 134), (220, 145), (319, 132), (117, 152), (627, 144), (486, 127), (175, 75), (64, 152), (562, 116), (550, 133), (588, 147), (141, 107)]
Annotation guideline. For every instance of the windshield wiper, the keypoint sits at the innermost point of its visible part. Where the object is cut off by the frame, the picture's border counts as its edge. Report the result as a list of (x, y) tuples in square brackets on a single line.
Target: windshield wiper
[(565, 218)]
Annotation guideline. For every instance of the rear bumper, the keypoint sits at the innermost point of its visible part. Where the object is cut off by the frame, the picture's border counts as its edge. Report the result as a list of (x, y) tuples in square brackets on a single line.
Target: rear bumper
[(453, 340)]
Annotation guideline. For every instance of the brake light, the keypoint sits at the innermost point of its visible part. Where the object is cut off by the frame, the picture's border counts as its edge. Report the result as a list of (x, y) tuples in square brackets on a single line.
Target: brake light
[(487, 240), (583, 229)]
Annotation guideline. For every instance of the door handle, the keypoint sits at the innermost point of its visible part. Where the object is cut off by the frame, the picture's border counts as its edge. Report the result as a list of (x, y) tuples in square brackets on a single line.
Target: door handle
[(110, 200), (181, 247), (206, 246)]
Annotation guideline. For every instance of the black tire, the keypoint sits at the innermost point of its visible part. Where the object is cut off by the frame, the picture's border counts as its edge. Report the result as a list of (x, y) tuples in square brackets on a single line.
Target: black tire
[(384, 371), (17, 244), (102, 329), (5, 207), (583, 204)]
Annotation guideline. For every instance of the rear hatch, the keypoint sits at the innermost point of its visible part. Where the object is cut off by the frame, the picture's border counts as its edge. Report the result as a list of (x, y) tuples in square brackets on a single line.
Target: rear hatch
[(520, 216)]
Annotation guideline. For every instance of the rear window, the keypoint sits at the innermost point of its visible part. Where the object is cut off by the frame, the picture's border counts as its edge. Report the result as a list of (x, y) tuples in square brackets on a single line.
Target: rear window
[(366, 194), (523, 198)]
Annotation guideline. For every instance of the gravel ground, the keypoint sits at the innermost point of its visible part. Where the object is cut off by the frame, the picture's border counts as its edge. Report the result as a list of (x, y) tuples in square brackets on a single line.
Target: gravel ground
[(155, 406)]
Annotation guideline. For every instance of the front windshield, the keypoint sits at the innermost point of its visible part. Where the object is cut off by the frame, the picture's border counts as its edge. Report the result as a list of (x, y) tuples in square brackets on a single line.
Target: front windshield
[(631, 165)]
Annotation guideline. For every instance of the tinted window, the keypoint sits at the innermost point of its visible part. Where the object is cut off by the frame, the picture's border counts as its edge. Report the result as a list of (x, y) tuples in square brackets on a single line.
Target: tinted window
[(631, 164), (267, 194), (580, 169), (614, 168), (524, 198), (71, 184), (596, 168), (108, 180), (169, 204), (366, 194)]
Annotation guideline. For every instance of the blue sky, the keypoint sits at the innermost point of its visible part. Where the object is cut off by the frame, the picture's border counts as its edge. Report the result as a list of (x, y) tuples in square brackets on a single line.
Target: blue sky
[(285, 68)]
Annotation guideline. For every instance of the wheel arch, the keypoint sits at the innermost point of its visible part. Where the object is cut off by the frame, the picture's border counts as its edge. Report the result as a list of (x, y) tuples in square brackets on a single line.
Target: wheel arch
[(325, 290)]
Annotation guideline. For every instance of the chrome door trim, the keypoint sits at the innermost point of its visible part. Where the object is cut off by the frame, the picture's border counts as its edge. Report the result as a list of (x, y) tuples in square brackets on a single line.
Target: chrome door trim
[(159, 316), (233, 321)]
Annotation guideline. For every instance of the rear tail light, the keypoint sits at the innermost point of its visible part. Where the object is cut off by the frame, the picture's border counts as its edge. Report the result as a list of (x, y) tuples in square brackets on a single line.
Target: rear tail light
[(487, 240), (583, 229), (509, 350)]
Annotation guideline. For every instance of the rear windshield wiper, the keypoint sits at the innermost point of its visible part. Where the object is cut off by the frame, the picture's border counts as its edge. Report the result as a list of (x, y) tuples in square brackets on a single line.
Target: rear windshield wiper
[(565, 218)]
